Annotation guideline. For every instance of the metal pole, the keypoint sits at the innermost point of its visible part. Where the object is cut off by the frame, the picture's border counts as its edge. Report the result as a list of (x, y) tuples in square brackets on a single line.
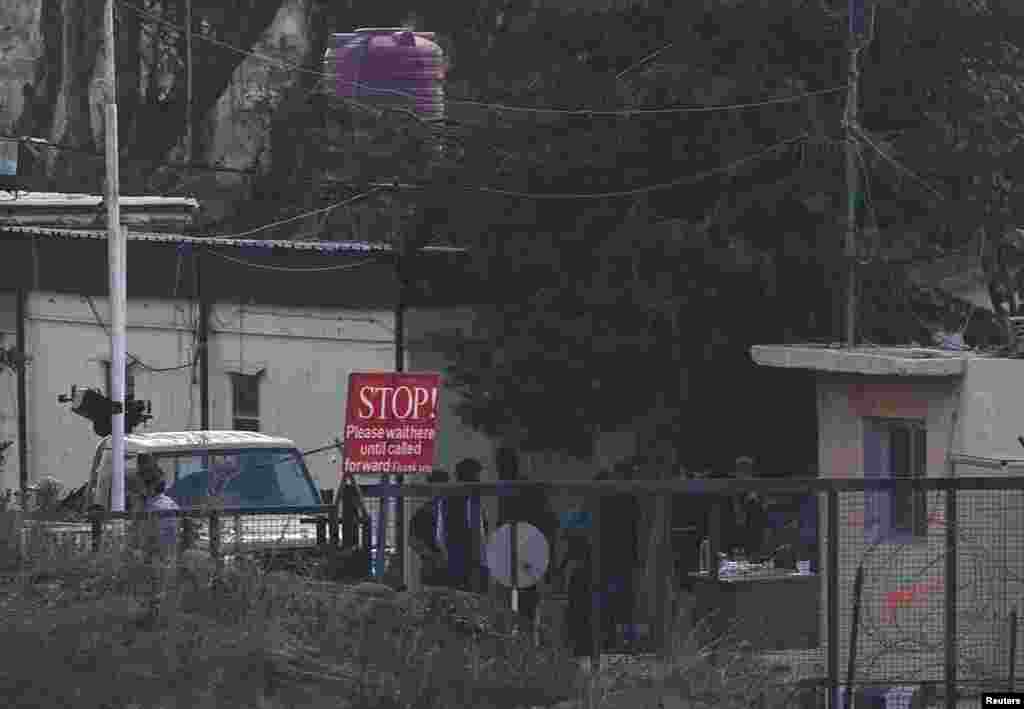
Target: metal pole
[(597, 595), (513, 542), (832, 596), (402, 510), (951, 585), (204, 363), (851, 660), (189, 78), (849, 124), (22, 375), (1013, 651), (116, 260)]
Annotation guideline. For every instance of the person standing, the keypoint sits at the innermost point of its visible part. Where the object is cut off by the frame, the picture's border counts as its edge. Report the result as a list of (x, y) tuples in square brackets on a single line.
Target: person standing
[(529, 505), (577, 567), (426, 535), (161, 530), (620, 555), (466, 532)]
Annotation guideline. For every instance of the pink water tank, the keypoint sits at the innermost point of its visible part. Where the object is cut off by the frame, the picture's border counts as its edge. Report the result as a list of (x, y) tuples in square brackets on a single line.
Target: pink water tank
[(389, 66)]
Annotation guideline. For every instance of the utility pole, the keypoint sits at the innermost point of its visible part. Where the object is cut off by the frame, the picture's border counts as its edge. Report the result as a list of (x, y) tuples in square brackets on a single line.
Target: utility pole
[(117, 265), (855, 39), (403, 510), (189, 78)]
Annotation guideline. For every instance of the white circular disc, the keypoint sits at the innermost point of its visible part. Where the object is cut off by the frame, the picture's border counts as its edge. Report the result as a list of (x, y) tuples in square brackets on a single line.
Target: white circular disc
[(533, 557)]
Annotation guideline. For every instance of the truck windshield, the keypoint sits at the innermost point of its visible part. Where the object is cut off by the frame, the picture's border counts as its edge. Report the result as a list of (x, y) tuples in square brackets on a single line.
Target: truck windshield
[(255, 477)]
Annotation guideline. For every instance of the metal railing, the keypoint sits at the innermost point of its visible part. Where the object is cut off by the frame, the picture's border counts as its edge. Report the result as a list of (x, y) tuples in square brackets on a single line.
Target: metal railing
[(915, 585)]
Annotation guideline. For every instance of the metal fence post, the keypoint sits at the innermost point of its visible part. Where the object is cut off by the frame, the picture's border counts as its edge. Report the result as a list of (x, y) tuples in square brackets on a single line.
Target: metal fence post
[(1013, 651), (596, 591), (382, 527), (333, 524), (513, 542), (97, 530), (832, 563), (715, 535), (215, 537), (951, 585)]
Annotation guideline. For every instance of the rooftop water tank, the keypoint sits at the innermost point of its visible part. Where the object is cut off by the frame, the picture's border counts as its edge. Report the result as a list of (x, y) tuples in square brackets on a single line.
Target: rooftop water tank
[(389, 67)]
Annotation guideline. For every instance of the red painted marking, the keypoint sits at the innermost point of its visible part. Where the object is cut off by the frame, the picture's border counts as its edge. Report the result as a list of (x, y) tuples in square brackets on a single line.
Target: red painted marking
[(909, 596)]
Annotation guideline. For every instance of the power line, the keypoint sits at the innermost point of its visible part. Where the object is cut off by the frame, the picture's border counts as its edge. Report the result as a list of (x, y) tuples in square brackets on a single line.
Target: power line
[(630, 112), (630, 192), (626, 113), (42, 142), (290, 269), (862, 135), (134, 359), (297, 217), (643, 61), (868, 201)]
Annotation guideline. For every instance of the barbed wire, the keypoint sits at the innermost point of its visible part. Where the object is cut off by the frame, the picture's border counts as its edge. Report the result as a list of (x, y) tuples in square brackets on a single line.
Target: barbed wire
[(888, 634)]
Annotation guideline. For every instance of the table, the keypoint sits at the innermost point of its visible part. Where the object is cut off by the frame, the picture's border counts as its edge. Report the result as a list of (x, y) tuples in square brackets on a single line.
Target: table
[(775, 609)]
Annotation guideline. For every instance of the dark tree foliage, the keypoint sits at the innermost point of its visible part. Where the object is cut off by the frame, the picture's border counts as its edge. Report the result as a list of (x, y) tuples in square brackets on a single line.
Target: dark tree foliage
[(603, 311)]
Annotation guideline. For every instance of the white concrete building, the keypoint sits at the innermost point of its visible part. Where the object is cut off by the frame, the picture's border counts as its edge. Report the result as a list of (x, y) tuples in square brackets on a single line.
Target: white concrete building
[(900, 412), (279, 370), (287, 323)]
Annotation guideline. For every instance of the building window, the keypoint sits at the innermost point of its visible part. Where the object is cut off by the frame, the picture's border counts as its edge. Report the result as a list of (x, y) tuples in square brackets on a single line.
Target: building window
[(895, 453), (129, 381), (245, 394)]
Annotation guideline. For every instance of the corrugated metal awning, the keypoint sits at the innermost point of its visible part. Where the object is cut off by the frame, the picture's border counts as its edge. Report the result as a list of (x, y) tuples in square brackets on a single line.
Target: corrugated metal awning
[(181, 239)]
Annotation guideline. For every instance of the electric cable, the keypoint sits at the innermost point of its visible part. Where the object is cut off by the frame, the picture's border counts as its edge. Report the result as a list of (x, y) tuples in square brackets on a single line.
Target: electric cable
[(134, 359), (44, 143), (862, 135), (627, 113), (299, 269), (297, 217), (640, 63), (677, 182), (869, 203)]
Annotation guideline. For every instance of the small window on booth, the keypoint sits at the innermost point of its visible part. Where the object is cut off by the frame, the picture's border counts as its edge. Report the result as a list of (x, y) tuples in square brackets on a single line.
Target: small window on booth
[(895, 453), (245, 396)]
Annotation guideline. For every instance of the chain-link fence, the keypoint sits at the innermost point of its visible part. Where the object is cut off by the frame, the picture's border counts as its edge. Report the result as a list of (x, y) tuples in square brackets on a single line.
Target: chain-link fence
[(916, 598)]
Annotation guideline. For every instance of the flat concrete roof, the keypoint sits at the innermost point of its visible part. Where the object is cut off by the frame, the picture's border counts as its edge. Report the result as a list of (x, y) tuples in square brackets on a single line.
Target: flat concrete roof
[(878, 361), (69, 200)]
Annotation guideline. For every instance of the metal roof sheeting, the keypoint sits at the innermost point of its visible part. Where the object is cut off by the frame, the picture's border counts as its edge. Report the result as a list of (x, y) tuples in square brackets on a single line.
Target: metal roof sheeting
[(181, 239)]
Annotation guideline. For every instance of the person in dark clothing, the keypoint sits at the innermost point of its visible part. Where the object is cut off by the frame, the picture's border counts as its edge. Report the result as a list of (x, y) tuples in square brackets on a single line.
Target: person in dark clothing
[(465, 532), (689, 527), (525, 505), (426, 536), (619, 556), (578, 566)]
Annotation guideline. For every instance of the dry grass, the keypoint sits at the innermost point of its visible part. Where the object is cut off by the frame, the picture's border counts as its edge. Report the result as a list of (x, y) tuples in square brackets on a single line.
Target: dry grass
[(112, 630)]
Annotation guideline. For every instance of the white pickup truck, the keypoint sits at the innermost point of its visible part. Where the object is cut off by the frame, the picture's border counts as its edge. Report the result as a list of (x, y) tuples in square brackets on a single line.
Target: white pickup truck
[(239, 473)]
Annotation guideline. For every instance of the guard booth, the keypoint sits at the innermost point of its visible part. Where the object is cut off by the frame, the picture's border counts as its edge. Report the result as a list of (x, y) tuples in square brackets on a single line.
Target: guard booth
[(890, 413)]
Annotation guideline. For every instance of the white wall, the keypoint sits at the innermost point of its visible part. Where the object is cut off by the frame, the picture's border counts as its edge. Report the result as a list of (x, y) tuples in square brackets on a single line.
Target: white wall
[(993, 410), (8, 390), (978, 415), (306, 357)]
